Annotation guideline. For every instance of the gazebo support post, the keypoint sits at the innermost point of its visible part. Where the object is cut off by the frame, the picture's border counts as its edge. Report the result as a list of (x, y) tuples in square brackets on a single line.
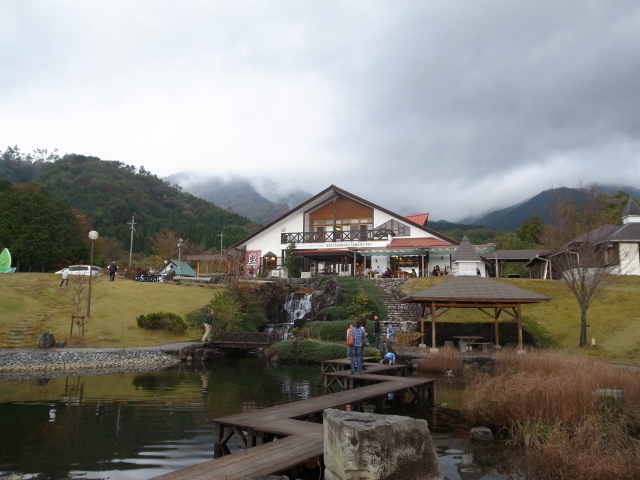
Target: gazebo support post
[(521, 350), (422, 310), (433, 328), (496, 314)]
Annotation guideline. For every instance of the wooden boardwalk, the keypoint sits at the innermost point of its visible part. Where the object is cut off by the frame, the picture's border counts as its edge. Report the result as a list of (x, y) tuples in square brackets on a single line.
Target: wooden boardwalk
[(281, 438)]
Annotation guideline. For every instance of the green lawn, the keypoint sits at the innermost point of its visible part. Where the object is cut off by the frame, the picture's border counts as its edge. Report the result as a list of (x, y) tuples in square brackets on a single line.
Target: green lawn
[(114, 308), (614, 317)]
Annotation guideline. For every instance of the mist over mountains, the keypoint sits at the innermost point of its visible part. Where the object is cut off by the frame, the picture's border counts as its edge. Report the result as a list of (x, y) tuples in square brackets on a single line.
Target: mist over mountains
[(261, 201), (264, 200)]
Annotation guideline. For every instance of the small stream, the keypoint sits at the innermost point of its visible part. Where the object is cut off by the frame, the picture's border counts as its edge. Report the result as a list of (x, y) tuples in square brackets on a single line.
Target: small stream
[(144, 424)]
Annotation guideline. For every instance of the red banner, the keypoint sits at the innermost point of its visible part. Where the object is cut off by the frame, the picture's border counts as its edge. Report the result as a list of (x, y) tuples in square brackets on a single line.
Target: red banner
[(252, 262)]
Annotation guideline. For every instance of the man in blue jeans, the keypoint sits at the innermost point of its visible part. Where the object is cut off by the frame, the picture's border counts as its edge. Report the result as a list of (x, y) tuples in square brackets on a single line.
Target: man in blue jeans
[(357, 349)]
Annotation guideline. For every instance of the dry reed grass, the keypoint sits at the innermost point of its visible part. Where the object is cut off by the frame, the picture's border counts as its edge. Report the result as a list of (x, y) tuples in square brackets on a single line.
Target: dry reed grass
[(545, 401), (447, 358)]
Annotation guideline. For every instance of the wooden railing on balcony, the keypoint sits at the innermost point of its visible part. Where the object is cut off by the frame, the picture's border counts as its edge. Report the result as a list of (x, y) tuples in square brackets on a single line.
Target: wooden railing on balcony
[(336, 236)]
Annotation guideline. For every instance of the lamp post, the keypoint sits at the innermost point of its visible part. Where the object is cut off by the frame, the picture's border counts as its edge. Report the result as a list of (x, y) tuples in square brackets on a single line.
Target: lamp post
[(93, 235), (180, 245), (495, 251)]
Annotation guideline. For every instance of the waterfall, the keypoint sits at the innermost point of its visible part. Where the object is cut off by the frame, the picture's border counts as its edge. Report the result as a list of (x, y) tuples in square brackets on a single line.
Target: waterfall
[(297, 306)]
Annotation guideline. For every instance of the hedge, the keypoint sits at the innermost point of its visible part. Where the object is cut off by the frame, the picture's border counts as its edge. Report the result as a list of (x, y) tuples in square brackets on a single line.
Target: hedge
[(336, 331), (309, 351), (162, 321)]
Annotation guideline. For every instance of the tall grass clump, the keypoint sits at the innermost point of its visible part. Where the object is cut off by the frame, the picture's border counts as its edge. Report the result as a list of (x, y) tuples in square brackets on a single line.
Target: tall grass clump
[(447, 358), (565, 413)]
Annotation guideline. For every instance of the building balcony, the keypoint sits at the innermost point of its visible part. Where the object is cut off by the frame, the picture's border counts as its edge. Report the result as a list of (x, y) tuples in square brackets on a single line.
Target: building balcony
[(336, 236)]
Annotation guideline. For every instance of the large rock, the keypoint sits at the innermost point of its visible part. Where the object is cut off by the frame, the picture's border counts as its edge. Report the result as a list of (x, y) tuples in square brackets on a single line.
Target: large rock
[(366, 446), (481, 434), (46, 340)]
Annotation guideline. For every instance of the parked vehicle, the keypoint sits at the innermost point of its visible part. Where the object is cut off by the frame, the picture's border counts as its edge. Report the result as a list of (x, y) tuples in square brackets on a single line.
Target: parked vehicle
[(81, 270)]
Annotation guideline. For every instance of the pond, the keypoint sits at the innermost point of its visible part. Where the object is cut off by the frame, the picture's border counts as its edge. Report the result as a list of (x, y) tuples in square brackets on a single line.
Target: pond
[(138, 425)]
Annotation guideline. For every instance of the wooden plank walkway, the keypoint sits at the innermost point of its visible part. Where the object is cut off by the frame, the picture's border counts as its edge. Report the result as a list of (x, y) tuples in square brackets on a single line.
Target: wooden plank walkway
[(279, 439), (255, 461)]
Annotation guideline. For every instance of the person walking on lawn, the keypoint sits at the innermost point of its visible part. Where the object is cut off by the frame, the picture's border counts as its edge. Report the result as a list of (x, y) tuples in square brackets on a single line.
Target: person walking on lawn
[(357, 349), (208, 324)]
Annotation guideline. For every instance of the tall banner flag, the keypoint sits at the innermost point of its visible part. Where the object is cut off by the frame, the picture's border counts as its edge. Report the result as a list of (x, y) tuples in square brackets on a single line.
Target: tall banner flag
[(252, 262)]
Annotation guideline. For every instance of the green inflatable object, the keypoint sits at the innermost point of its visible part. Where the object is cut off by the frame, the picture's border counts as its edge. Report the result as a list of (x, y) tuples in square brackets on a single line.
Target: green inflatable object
[(5, 262)]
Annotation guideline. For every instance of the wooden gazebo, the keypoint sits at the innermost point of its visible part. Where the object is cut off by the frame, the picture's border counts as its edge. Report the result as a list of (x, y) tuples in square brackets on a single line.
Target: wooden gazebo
[(473, 292)]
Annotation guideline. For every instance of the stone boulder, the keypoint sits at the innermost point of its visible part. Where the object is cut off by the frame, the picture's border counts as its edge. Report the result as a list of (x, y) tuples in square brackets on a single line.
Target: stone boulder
[(481, 434), (61, 344), (46, 340), (367, 446)]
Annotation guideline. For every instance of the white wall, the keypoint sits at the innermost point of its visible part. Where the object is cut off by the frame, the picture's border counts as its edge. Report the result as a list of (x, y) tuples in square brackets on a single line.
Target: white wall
[(629, 259), (468, 269)]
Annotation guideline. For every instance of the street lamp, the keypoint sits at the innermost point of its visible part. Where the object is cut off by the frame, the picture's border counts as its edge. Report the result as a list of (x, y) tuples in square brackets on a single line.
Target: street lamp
[(495, 251), (180, 245), (93, 235)]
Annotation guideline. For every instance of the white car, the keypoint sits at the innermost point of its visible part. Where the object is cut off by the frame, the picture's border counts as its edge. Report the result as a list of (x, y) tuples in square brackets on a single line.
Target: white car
[(81, 270)]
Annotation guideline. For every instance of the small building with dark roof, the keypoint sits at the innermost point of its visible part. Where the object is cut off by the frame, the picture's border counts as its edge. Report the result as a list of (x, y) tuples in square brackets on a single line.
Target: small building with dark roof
[(618, 247)]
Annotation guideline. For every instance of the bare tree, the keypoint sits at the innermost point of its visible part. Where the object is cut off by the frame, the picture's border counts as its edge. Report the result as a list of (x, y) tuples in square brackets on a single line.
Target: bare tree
[(583, 256), (78, 295)]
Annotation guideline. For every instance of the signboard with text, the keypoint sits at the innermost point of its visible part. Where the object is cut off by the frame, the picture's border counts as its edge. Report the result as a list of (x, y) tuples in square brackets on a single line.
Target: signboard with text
[(252, 262)]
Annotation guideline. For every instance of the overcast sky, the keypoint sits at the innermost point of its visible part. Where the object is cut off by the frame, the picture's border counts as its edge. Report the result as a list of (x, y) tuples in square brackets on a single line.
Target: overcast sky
[(450, 107)]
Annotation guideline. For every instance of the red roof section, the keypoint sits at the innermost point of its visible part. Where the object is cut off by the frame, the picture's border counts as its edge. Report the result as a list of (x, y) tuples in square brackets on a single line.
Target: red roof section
[(419, 218), (411, 242)]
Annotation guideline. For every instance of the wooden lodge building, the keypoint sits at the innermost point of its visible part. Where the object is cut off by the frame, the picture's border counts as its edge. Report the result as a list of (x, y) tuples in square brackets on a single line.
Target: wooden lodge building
[(338, 233)]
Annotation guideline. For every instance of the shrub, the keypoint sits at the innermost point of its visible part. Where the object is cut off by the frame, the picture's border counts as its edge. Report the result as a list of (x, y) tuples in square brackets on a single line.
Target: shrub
[(335, 331), (228, 312), (162, 321), (356, 298), (308, 351)]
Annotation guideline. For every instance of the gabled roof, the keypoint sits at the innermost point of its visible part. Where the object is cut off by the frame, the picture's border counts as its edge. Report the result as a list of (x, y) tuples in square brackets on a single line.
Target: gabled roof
[(419, 218), (631, 209), (353, 197), (466, 252), (626, 233), (597, 235), (477, 289)]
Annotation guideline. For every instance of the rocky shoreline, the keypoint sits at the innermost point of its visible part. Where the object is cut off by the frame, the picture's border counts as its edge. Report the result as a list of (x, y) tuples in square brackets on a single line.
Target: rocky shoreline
[(83, 359)]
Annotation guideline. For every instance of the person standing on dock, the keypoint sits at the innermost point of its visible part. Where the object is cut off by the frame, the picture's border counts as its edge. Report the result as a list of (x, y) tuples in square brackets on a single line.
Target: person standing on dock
[(208, 324), (391, 335), (357, 351), (376, 330)]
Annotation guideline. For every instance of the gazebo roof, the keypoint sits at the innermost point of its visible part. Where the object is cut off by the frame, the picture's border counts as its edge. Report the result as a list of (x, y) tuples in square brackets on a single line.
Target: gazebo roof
[(476, 290)]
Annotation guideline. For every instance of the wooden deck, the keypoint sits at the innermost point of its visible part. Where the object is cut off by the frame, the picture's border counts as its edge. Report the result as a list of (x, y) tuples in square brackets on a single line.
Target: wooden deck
[(281, 438)]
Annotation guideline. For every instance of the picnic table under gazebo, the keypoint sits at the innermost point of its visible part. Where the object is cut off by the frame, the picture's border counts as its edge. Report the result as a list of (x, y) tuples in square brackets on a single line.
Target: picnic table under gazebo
[(473, 292)]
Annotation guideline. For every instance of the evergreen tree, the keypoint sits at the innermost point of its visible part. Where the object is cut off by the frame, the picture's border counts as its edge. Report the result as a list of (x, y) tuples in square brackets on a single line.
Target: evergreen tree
[(39, 230)]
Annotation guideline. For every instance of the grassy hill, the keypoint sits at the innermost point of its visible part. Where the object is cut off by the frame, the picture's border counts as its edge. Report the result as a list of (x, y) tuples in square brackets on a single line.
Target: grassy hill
[(614, 317), (32, 304), (34, 299)]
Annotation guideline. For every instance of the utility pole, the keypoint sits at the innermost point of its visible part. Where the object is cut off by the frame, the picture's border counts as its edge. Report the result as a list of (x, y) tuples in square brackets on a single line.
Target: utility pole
[(132, 223), (221, 235)]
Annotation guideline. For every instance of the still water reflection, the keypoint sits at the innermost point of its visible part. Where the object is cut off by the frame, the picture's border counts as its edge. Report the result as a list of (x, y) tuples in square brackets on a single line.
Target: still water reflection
[(144, 424)]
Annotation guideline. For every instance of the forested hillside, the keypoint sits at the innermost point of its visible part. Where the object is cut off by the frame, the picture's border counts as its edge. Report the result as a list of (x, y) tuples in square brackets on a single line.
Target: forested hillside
[(105, 195)]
